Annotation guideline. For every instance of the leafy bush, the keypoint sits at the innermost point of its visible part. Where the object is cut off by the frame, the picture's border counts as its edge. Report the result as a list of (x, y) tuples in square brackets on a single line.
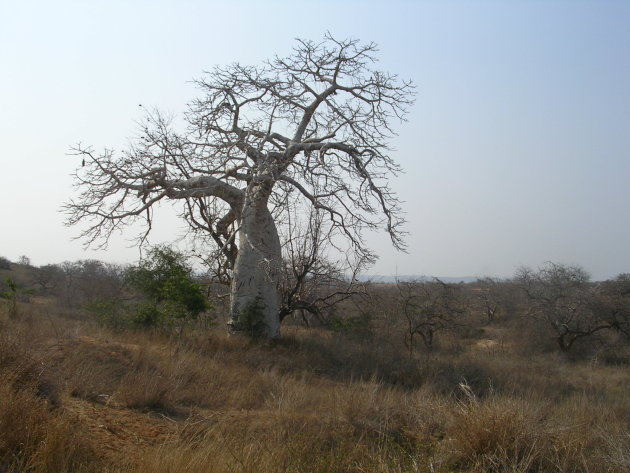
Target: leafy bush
[(165, 280), (4, 263)]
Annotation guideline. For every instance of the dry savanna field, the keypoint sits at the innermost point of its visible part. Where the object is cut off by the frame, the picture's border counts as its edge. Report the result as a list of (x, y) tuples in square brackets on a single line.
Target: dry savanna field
[(488, 395)]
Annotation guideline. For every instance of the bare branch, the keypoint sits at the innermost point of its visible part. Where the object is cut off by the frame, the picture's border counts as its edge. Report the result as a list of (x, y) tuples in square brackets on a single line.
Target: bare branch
[(315, 124)]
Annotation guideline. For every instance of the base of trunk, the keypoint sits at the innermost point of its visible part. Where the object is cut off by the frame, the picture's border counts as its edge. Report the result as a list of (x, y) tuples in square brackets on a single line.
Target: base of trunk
[(255, 305), (255, 319)]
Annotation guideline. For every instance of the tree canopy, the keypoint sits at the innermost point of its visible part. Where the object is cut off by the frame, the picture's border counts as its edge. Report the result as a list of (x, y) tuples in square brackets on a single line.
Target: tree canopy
[(310, 129)]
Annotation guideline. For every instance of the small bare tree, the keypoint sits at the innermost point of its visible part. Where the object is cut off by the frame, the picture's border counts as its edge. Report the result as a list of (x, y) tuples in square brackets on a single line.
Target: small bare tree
[(430, 307), (612, 303), (496, 298), (48, 276), (487, 296), (317, 122), (563, 296), (316, 275), (24, 260)]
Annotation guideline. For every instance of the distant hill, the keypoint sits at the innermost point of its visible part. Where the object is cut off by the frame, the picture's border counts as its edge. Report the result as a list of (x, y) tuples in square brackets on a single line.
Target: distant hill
[(20, 273), (411, 277)]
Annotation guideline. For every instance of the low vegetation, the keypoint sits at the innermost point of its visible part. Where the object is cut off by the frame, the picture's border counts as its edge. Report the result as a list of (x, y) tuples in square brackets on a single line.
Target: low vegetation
[(494, 391)]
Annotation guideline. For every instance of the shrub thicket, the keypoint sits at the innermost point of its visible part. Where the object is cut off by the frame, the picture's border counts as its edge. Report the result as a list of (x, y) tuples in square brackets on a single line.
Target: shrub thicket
[(4, 263)]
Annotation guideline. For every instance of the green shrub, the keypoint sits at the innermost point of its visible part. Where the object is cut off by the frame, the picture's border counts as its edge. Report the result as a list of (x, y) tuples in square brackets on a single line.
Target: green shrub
[(251, 320), (165, 281), (12, 291)]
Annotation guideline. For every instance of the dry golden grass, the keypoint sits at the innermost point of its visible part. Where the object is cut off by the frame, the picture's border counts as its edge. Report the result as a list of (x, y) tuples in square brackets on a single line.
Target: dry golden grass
[(36, 435), (75, 397)]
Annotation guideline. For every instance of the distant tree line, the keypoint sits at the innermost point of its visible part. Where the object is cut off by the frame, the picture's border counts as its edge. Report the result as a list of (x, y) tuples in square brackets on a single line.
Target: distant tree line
[(554, 305), (555, 302)]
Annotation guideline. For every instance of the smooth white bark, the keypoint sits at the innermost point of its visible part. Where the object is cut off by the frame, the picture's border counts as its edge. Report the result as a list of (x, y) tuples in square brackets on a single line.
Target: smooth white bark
[(257, 266)]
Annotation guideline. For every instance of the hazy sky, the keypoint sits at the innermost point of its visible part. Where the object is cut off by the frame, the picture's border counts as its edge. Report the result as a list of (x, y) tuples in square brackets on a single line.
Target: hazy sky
[(516, 152)]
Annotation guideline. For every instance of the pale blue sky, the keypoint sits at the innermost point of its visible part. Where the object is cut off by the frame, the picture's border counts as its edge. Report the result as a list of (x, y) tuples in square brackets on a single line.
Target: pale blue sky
[(516, 152)]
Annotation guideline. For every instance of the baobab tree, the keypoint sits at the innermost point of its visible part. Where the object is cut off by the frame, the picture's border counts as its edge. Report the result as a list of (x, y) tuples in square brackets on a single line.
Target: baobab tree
[(313, 127)]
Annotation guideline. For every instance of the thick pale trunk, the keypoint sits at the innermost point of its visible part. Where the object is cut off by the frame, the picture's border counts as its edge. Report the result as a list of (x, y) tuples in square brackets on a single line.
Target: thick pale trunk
[(254, 294)]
